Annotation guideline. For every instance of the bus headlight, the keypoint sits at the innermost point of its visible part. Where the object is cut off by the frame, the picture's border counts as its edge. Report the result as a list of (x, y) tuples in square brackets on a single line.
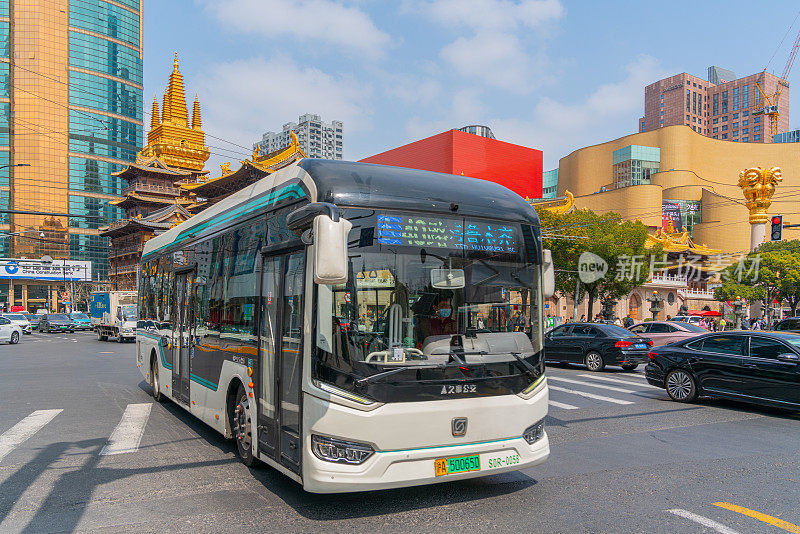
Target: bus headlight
[(534, 432), (336, 450)]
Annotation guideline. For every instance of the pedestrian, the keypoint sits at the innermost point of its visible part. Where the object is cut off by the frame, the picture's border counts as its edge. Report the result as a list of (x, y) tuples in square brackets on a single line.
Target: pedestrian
[(618, 321), (723, 324), (628, 321), (669, 317)]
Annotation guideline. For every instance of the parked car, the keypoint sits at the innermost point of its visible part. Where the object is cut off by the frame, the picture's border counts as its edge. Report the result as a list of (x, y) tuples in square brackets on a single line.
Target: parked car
[(21, 320), (81, 321), (596, 345), (9, 332), (691, 319), (56, 322), (790, 324), (33, 319), (753, 366), (664, 332)]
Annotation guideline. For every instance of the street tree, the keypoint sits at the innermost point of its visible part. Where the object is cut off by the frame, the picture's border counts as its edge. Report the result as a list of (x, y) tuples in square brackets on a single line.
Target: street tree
[(771, 272), (620, 243)]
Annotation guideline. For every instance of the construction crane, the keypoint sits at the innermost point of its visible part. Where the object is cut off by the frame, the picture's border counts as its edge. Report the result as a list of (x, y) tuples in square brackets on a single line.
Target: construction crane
[(770, 108)]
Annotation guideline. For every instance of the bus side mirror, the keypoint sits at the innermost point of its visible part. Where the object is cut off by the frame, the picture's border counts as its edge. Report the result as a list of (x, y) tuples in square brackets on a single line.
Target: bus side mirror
[(330, 249), (548, 274)]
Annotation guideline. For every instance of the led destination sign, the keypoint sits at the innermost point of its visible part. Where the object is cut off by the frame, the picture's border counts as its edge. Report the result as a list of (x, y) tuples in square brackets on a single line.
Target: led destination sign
[(459, 234)]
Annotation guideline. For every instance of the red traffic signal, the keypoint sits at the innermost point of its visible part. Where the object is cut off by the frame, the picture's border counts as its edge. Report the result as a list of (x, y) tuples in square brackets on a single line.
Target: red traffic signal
[(776, 232)]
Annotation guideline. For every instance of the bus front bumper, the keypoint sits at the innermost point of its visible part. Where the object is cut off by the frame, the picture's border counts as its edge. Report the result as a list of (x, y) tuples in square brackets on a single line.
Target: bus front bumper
[(393, 469)]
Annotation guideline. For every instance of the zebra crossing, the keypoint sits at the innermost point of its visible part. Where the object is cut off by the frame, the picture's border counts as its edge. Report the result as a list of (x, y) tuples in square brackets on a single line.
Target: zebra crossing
[(124, 438), (592, 390)]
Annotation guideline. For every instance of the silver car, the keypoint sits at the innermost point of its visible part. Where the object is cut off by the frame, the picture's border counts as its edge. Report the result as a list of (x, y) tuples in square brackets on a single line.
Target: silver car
[(666, 332)]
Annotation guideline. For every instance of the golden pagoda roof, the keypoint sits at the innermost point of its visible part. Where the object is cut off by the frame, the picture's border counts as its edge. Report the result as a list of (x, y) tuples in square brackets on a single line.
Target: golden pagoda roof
[(679, 242), (559, 205), (250, 171), (171, 138), (135, 198)]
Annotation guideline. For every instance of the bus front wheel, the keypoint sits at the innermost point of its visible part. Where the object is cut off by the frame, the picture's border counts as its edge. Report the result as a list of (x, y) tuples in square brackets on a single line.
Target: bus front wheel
[(241, 426), (154, 382)]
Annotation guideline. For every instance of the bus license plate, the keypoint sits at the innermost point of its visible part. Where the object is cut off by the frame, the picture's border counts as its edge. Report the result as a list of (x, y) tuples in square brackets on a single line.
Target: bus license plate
[(459, 464)]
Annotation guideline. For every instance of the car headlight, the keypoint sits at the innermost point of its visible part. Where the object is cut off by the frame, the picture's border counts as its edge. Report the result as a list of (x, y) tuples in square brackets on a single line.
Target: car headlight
[(339, 451), (534, 432)]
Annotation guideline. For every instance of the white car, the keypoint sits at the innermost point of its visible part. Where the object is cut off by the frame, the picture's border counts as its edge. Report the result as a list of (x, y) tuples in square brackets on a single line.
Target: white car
[(21, 320), (691, 319), (9, 332)]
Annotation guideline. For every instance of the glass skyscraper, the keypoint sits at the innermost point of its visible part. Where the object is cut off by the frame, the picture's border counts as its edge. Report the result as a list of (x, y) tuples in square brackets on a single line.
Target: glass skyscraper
[(70, 116)]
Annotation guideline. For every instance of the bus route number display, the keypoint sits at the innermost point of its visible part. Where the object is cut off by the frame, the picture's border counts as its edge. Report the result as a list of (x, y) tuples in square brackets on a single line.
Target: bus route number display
[(459, 234)]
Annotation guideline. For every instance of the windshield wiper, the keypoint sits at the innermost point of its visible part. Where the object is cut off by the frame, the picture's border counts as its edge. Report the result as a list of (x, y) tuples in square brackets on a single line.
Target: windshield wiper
[(458, 363), (526, 367)]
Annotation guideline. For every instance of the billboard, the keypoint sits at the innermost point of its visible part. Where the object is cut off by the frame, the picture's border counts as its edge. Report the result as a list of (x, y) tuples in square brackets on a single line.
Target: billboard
[(58, 270), (671, 212)]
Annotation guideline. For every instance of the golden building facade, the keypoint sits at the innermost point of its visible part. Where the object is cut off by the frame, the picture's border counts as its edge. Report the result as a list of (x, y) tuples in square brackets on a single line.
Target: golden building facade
[(70, 116), (695, 173)]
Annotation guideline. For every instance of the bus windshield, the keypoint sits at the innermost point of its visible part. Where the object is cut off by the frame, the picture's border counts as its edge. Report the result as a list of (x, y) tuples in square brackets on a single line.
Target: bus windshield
[(423, 294)]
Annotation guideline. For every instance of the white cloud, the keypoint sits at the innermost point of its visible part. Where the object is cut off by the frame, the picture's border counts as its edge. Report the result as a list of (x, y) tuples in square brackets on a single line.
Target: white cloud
[(491, 47), (241, 100), (612, 110), (557, 127), (323, 22)]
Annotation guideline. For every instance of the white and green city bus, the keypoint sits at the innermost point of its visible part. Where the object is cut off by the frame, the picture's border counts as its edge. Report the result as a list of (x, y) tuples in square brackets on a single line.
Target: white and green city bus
[(356, 326)]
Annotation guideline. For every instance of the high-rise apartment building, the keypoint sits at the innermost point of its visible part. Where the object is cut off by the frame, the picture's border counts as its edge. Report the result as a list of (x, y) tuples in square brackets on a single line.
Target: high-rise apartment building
[(317, 139), (70, 117), (723, 110)]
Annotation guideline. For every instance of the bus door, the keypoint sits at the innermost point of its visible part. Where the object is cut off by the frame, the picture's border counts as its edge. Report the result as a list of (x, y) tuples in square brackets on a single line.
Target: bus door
[(182, 335), (280, 358)]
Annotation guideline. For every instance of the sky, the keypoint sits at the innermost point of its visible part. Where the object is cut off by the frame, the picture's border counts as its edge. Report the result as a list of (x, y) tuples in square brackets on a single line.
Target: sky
[(555, 75)]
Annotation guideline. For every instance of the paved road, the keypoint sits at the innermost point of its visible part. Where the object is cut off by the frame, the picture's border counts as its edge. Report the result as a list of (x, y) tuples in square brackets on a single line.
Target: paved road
[(83, 447)]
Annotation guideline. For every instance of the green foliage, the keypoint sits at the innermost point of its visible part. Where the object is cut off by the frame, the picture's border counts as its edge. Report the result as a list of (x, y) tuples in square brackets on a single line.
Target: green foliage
[(571, 234), (776, 278)]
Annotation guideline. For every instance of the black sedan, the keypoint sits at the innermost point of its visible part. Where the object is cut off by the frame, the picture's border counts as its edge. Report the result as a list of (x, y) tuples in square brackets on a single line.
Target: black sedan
[(596, 345), (56, 322), (751, 366)]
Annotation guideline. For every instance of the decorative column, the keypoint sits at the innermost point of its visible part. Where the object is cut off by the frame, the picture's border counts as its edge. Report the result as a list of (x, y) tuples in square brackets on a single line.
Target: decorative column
[(758, 186)]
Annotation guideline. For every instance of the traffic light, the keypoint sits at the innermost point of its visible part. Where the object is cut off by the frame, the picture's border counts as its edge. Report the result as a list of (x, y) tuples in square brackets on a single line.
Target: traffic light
[(776, 234)]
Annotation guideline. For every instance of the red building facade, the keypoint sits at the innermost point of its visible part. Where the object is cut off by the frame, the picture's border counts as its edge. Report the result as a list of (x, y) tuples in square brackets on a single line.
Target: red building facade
[(516, 167)]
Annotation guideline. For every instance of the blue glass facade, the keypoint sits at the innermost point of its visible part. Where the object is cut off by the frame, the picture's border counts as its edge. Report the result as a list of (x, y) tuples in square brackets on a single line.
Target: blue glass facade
[(549, 183), (104, 43), (787, 137)]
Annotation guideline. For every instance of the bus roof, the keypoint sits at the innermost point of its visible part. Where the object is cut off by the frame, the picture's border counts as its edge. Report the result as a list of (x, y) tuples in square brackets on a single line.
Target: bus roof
[(352, 184)]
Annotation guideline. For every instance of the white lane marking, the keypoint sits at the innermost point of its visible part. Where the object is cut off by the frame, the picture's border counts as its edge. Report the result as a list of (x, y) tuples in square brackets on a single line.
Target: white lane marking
[(588, 395), (17, 434), (706, 522), (562, 405), (128, 433), (585, 383), (618, 381)]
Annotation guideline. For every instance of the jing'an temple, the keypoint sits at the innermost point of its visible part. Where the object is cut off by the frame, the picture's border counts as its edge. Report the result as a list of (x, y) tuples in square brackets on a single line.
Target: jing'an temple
[(167, 184)]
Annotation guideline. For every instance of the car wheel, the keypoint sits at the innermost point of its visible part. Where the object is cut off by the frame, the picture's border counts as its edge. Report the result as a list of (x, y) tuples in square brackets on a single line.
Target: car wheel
[(154, 382), (594, 361), (14, 338), (630, 366), (241, 426), (681, 386)]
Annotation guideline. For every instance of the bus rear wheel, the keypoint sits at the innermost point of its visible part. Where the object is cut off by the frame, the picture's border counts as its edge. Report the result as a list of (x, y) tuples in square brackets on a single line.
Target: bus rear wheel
[(241, 427)]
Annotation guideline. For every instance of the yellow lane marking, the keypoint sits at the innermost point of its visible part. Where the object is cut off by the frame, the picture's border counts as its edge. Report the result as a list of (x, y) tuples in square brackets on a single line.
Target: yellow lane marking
[(774, 521)]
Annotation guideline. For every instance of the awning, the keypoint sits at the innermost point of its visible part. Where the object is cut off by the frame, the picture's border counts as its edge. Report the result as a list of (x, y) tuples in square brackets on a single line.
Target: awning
[(705, 313)]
